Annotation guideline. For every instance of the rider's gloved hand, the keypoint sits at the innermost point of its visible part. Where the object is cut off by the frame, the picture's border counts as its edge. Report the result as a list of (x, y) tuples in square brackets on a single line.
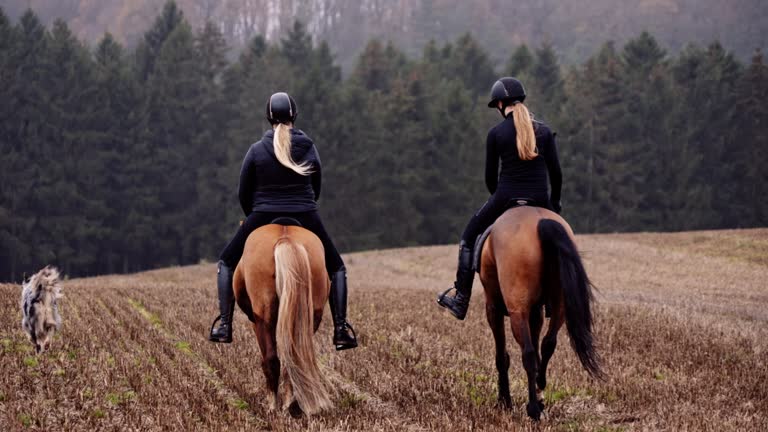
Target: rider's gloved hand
[(557, 207)]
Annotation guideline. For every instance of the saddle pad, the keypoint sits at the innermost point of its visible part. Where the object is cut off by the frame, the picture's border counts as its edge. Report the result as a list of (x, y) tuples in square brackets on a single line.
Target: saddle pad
[(478, 251), (286, 221)]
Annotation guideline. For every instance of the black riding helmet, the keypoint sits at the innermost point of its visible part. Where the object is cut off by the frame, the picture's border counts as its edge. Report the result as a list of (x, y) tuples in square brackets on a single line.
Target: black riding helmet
[(507, 90), (281, 108)]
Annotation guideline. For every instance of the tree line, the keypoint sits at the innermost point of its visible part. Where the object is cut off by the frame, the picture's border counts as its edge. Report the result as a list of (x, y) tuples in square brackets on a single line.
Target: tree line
[(120, 159)]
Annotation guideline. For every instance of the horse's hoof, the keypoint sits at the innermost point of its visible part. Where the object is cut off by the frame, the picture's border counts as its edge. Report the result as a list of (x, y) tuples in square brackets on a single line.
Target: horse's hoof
[(541, 404), (295, 410), (534, 410)]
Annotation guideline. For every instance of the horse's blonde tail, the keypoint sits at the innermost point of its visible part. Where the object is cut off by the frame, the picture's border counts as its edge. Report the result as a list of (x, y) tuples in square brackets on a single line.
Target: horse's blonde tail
[(295, 326)]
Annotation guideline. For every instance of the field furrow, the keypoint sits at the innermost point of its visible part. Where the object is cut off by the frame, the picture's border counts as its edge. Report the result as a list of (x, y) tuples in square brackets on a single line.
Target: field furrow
[(681, 322)]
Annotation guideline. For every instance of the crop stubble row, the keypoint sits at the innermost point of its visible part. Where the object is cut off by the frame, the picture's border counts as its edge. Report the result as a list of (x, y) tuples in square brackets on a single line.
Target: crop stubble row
[(115, 367)]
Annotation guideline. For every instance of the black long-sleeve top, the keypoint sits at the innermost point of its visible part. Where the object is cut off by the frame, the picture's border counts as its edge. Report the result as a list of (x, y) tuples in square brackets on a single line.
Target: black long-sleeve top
[(522, 178), (268, 186)]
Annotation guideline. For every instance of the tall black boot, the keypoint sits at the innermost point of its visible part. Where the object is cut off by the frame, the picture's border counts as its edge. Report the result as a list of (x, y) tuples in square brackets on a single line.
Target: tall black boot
[(459, 303), (223, 333), (343, 334)]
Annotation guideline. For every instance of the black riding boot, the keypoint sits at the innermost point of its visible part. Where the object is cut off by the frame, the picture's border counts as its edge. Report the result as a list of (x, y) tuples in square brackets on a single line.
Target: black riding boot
[(342, 338), (223, 333), (459, 303)]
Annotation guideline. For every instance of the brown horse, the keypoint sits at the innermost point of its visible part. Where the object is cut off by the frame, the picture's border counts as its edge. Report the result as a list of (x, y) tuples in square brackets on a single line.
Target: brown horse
[(529, 263), (282, 286)]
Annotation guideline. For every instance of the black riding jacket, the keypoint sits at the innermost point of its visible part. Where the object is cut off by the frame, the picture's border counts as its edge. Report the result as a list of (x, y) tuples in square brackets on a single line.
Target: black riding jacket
[(522, 178), (268, 186)]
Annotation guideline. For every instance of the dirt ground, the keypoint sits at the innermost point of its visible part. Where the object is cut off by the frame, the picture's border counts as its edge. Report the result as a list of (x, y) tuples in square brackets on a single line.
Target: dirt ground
[(682, 327)]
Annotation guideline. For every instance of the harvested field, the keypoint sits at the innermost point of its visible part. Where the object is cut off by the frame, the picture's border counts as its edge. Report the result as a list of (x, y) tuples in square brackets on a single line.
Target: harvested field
[(682, 325)]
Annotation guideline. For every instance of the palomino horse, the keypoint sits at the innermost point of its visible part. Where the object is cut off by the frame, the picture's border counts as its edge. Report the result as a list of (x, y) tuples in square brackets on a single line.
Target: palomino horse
[(530, 262), (284, 298)]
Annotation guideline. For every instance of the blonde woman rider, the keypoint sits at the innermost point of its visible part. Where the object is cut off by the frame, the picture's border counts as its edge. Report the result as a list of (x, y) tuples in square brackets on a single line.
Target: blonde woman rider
[(280, 177), (528, 155)]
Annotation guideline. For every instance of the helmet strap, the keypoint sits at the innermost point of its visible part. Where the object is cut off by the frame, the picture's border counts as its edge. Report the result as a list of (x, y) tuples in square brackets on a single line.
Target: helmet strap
[(504, 107)]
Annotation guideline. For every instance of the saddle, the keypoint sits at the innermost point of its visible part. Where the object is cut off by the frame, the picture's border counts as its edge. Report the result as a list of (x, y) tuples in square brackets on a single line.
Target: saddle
[(286, 221)]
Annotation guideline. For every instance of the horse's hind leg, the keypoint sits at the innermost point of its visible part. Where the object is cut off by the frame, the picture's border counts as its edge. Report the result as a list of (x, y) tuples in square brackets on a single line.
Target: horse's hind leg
[(270, 364), (522, 332), (496, 321), (535, 323), (548, 345)]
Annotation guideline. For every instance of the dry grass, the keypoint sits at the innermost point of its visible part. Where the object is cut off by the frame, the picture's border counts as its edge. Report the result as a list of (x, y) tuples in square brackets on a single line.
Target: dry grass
[(681, 324)]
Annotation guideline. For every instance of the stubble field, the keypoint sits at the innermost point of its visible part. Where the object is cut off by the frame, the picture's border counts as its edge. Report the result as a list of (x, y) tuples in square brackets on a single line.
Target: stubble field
[(681, 321)]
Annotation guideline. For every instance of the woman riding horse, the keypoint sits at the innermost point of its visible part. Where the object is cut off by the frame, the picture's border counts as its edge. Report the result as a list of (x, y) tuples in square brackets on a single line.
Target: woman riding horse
[(281, 177), (527, 151)]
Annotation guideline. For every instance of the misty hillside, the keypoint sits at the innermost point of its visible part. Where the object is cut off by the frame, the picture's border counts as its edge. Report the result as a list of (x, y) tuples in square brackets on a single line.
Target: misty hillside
[(575, 27)]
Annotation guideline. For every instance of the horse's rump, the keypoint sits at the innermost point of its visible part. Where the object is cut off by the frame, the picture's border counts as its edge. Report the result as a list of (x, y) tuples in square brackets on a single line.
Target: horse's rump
[(282, 286)]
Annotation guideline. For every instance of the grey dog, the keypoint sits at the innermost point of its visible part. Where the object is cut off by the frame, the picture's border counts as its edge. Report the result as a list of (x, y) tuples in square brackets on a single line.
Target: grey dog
[(39, 307)]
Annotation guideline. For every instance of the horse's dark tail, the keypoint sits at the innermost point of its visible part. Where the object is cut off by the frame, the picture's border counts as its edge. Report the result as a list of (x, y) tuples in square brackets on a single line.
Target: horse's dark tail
[(561, 256)]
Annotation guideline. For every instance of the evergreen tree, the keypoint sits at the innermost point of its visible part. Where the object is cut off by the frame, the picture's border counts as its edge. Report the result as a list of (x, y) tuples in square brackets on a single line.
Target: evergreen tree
[(239, 131), (600, 188), (122, 154), (705, 81), (521, 63), (545, 83), (351, 170), (28, 130), (403, 118), (297, 46), (470, 64), (653, 151), (70, 190), (173, 123), (149, 48), (214, 113), (376, 69), (12, 164), (262, 75), (750, 150), (431, 55), (452, 163), (318, 88)]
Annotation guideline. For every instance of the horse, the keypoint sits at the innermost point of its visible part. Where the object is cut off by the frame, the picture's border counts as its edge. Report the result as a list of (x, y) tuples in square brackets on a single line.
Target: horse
[(282, 286), (530, 262)]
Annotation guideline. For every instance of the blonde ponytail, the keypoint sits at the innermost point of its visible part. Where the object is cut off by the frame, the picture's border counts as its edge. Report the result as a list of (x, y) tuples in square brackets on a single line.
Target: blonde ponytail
[(282, 145), (526, 138)]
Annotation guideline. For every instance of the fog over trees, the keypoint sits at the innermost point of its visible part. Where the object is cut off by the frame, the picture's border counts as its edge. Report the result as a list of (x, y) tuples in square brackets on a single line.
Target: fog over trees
[(575, 28)]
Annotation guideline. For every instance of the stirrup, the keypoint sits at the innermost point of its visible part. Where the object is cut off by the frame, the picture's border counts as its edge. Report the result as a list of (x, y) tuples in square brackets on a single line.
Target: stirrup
[(341, 347), (228, 339), (444, 294), (455, 303), (218, 318)]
